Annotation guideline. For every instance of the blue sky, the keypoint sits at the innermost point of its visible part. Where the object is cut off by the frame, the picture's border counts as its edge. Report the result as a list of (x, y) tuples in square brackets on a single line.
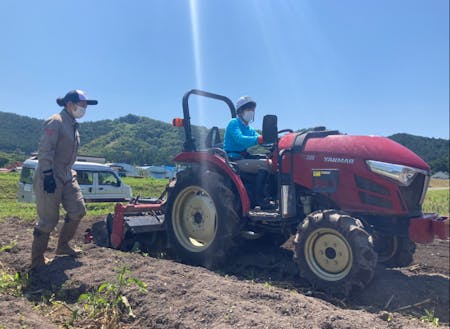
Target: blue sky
[(373, 67)]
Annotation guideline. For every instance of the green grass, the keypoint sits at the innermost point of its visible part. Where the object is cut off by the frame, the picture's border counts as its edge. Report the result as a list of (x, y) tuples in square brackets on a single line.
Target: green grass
[(10, 208), (437, 201), (146, 187), (9, 183)]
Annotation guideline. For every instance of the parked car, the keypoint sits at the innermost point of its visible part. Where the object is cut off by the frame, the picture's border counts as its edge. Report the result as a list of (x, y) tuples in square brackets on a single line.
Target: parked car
[(98, 182)]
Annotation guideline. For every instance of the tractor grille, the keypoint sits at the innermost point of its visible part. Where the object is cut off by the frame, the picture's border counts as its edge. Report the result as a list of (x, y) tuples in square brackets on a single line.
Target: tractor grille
[(413, 194), (368, 185), (375, 200), (378, 196)]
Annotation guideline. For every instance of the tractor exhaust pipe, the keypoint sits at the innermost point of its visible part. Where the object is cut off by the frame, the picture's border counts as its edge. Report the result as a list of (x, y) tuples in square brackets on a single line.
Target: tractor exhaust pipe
[(288, 202), (288, 199)]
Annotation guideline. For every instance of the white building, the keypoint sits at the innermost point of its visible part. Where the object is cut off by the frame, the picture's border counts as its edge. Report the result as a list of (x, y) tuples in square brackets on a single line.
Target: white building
[(157, 171), (124, 169)]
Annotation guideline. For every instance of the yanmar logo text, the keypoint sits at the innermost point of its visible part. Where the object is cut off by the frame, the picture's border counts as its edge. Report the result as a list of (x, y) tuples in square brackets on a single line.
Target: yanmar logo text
[(339, 160)]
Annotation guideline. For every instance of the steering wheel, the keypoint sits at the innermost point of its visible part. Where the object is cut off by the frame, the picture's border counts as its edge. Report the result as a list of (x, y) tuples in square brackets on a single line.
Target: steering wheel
[(285, 131), (270, 145)]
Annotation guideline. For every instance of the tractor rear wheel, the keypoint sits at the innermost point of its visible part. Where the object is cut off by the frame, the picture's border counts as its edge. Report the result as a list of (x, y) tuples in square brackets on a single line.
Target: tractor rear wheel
[(334, 252), (394, 251), (202, 223)]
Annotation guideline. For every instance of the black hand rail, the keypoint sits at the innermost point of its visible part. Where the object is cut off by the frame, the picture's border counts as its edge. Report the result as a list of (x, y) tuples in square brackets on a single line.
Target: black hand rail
[(189, 143)]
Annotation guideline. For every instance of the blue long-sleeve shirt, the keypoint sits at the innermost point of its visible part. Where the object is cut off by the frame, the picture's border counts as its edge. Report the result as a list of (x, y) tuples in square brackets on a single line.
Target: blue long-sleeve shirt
[(239, 137)]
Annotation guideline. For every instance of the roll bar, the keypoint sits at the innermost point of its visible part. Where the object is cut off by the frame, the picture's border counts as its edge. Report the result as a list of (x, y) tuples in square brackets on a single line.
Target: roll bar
[(189, 143)]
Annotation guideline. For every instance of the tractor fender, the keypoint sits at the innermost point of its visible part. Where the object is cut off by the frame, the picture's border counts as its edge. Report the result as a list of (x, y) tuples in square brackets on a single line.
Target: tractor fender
[(213, 160)]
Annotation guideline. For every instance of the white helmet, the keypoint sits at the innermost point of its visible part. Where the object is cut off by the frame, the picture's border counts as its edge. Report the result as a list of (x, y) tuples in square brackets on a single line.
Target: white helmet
[(243, 103)]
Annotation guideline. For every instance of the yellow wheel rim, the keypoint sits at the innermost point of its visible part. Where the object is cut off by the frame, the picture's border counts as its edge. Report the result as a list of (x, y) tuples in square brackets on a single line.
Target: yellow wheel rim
[(328, 254), (194, 219)]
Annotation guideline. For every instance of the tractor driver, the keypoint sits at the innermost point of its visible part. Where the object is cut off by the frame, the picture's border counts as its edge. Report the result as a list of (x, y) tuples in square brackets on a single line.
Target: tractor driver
[(238, 137)]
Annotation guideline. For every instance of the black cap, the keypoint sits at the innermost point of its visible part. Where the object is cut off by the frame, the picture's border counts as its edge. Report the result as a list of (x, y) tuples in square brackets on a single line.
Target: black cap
[(75, 96)]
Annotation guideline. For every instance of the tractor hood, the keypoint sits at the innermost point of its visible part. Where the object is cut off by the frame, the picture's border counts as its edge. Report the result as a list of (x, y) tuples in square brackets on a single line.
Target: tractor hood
[(366, 148)]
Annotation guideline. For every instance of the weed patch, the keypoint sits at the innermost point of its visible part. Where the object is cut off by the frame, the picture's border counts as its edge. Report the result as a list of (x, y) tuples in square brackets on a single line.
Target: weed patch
[(108, 304), (429, 317), (13, 284)]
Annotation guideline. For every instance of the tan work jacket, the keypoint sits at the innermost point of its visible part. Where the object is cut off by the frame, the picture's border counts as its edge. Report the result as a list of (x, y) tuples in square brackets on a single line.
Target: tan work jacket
[(58, 146)]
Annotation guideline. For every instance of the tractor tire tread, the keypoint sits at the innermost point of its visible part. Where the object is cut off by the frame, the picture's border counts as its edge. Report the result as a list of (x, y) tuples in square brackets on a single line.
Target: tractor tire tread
[(216, 255), (352, 229)]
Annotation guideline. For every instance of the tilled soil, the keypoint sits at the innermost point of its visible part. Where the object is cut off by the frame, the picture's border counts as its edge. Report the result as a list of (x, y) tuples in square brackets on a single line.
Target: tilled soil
[(260, 288)]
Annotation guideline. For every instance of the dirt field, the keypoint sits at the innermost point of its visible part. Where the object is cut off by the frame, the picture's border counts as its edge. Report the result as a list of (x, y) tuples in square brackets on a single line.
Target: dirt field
[(260, 289)]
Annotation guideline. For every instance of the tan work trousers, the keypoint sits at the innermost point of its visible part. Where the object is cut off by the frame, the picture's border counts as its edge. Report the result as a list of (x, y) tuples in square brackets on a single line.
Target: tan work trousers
[(47, 204)]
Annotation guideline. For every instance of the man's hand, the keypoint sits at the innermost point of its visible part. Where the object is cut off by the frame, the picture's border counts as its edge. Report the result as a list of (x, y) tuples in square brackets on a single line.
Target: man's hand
[(49, 183), (260, 139)]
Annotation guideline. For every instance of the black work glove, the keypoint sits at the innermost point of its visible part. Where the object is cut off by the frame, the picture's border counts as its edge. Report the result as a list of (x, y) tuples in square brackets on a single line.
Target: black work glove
[(49, 183)]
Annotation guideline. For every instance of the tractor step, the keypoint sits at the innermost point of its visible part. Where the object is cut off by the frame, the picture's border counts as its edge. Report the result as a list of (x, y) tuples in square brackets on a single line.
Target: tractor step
[(144, 223), (264, 215)]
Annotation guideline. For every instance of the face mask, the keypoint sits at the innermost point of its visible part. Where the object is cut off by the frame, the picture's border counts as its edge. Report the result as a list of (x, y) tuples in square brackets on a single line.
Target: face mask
[(79, 112), (248, 116)]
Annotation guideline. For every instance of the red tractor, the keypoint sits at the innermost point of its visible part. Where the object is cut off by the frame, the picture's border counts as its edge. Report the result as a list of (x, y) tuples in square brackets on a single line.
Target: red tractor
[(350, 201)]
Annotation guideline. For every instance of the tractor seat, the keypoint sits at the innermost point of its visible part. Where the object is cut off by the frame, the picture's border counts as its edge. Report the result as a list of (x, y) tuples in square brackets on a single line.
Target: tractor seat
[(213, 139)]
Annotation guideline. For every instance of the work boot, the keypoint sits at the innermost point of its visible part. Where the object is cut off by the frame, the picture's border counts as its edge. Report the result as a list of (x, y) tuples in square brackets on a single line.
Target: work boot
[(40, 243), (67, 232)]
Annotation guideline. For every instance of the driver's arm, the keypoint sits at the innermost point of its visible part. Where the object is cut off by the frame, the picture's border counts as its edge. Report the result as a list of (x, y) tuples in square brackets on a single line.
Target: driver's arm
[(241, 141)]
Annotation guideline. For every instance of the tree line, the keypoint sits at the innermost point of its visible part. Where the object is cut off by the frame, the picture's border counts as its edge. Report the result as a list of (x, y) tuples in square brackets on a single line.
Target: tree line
[(144, 141)]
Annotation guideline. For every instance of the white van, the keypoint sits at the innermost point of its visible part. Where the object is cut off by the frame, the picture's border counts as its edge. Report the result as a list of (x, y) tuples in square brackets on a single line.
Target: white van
[(98, 182)]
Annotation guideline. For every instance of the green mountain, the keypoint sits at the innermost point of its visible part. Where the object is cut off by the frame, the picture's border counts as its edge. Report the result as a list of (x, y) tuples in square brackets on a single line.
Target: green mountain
[(131, 139), (19, 134), (140, 140), (435, 151)]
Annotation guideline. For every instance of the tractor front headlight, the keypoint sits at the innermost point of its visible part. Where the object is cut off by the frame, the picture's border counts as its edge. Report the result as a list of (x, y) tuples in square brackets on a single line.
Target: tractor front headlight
[(400, 173)]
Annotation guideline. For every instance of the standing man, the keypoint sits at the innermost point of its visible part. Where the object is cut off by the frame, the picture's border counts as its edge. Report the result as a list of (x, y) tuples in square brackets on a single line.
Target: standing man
[(55, 182)]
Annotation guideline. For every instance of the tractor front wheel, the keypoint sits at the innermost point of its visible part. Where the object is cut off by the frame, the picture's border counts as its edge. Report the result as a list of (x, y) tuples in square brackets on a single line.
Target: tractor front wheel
[(334, 252), (394, 251), (201, 220)]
